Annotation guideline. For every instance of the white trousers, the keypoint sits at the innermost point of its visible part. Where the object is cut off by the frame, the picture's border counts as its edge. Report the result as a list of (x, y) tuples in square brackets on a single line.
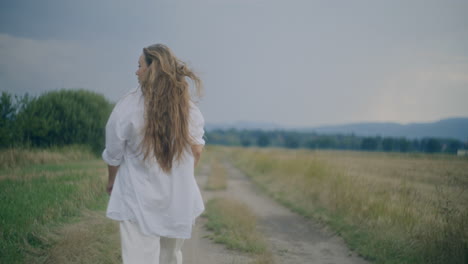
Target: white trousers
[(138, 248)]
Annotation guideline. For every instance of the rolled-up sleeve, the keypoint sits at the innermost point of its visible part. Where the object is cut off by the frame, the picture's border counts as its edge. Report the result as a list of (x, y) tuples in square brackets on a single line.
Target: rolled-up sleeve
[(196, 125), (115, 139)]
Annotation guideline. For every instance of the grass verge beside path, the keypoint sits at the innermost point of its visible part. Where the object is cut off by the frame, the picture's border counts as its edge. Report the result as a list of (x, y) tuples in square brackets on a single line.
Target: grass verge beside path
[(44, 196), (217, 177), (390, 208), (234, 225), (93, 238)]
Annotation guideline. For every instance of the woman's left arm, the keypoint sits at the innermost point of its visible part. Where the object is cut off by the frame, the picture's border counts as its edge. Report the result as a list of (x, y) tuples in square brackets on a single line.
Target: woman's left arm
[(197, 151), (196, 125), (112, 171), (117, 132)]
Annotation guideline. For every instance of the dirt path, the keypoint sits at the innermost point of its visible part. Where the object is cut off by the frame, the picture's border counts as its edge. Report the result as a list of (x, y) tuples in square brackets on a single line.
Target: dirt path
[(291, 238), (201, 250)]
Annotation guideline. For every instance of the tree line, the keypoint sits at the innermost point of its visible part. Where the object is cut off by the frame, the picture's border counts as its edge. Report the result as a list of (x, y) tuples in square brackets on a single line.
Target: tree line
[(312, 140), (65, 117), (55, 118)]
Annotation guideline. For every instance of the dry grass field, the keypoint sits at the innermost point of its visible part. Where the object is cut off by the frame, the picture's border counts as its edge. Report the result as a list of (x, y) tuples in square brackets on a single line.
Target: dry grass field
[(234, 225), (391, 208), (17, 158), (217, 177)]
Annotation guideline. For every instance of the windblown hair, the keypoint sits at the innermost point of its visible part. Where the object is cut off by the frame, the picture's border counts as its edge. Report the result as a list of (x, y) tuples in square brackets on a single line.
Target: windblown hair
[(167, 104)]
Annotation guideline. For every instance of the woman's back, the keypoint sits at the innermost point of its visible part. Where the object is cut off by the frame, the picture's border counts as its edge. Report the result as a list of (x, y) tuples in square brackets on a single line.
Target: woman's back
[(154, 138), (162, 203)]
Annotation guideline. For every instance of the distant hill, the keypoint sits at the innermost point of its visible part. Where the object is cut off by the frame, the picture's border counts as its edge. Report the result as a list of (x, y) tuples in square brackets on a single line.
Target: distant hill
[(447, 128), (456, 128), (244, 125)]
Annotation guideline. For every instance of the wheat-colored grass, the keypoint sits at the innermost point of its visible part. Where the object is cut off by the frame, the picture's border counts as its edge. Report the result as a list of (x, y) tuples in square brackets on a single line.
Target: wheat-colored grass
[(53, 170), (234, 225), (92, 238), (17, 157), (393, 208), (264, 258), (217, 176)]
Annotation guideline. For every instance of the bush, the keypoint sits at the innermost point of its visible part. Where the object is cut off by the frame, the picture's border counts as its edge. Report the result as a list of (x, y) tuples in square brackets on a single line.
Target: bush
[(64, 117), (9, 109), (7, 113)]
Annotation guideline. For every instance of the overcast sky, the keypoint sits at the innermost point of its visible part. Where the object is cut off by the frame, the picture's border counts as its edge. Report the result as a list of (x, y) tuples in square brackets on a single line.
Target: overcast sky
[(294, 63)]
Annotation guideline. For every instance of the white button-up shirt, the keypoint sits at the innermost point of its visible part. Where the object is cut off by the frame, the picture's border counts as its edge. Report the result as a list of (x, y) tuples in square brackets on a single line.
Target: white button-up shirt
[(163, 204)]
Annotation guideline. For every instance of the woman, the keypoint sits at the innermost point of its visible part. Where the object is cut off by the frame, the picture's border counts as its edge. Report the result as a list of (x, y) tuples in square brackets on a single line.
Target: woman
[(154, 138)]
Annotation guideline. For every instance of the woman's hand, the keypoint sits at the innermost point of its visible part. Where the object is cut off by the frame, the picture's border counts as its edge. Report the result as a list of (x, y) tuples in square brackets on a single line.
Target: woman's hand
[(109, 187), (112, 173)]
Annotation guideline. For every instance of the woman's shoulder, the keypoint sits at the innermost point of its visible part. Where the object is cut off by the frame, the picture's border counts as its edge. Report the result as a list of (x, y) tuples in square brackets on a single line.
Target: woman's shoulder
[(195, 113), (194, 107), (127, 105), (128, 99), (129, 95)]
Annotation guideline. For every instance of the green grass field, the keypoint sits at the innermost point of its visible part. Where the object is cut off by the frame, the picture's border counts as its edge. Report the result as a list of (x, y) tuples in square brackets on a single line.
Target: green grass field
[(39, 192), (391, 208)]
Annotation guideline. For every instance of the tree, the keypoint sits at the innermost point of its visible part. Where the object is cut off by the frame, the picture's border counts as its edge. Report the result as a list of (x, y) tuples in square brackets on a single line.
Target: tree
[(65, 117), (245, 142), (431, 145), (291, 141), (263, 140), (369, 143), (387, 144), (7, 117), (325, 142), (403, 145), (453, 146)]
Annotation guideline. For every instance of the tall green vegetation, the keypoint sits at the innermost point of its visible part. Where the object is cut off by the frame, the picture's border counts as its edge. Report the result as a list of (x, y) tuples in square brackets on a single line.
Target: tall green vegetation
[(55, 118), (50, 188), (9, 109)]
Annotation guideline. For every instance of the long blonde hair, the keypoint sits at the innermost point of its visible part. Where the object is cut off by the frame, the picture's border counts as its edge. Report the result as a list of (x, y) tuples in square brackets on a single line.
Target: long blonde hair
[(167, 103)]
